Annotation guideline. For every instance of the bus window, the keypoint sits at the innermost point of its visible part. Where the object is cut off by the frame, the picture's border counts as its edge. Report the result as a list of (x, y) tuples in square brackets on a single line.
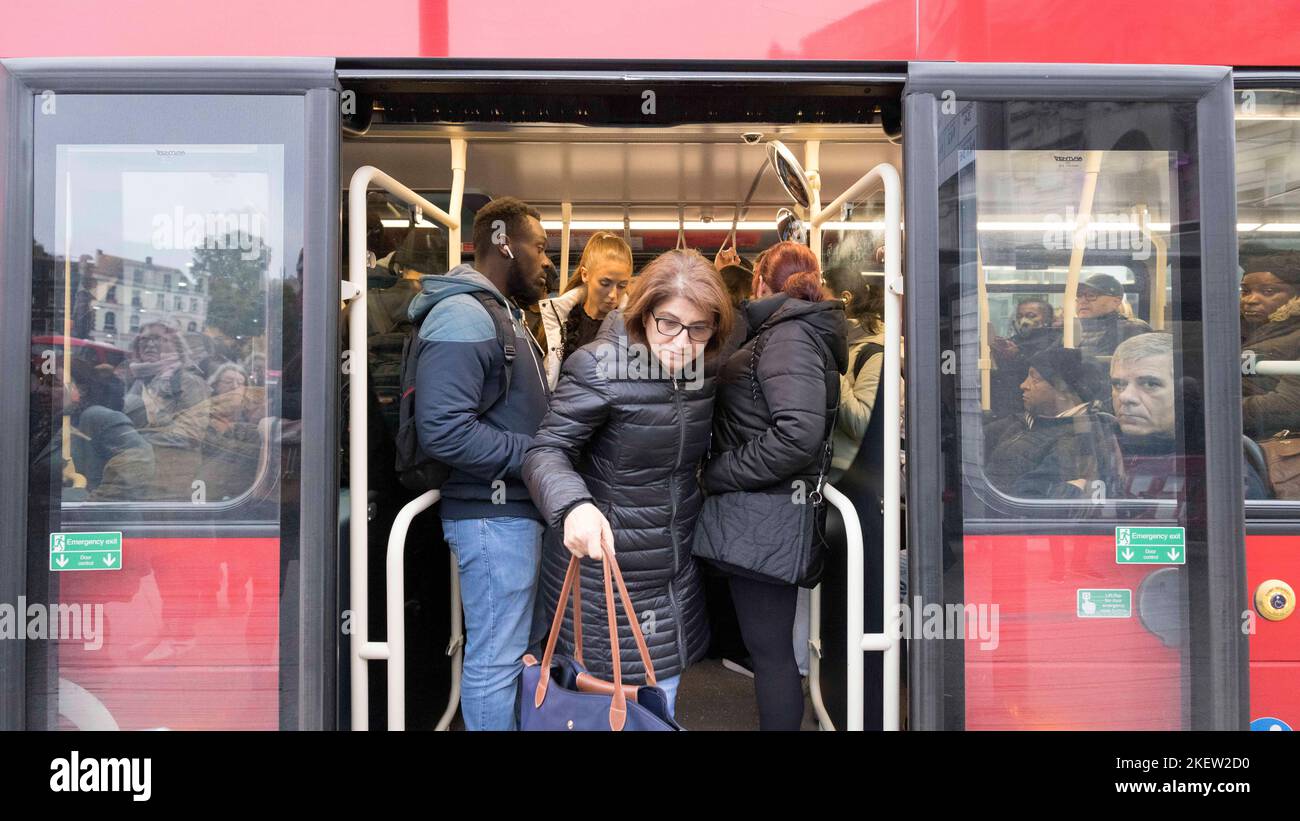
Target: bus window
[(1069, 249), (165, 411), (1268, 233), (192, 237), (1069, 336)]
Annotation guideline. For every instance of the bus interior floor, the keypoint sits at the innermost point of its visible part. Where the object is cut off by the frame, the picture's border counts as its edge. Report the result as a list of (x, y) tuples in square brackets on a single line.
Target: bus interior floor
[(713, 698)]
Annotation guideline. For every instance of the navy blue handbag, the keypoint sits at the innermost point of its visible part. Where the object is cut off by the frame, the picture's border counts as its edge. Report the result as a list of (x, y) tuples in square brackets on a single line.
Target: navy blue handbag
[(559, 693)]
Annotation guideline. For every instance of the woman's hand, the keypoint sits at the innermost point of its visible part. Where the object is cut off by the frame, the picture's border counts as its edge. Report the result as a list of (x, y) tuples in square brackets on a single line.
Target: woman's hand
[(585, 529)]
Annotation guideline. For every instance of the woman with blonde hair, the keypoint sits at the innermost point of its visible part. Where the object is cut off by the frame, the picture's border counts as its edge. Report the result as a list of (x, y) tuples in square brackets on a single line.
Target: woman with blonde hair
[(598, 286), (614, 462)]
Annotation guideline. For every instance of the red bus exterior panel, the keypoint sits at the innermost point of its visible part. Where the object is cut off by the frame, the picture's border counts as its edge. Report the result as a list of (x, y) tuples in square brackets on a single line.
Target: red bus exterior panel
[(191, 635)]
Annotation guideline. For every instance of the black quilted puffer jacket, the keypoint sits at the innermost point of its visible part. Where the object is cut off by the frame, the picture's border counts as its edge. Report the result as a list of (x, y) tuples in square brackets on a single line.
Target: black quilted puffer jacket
[(630, 446), (771, 425)]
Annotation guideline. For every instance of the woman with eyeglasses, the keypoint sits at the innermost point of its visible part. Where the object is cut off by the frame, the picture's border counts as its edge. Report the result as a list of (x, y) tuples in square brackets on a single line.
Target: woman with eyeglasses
[(777, 400), (614, 463)]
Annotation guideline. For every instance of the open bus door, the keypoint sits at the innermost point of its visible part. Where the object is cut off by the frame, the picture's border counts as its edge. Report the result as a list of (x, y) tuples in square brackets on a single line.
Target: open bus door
[(1071, 597), (169, 246)]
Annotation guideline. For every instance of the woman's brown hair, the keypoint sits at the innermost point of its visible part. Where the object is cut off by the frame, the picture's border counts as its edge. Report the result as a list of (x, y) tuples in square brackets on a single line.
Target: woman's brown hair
[(681, 273)]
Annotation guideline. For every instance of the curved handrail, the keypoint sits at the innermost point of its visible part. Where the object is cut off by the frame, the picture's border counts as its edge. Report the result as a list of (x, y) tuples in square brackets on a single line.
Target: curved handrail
[(886, 176), (362, 649)]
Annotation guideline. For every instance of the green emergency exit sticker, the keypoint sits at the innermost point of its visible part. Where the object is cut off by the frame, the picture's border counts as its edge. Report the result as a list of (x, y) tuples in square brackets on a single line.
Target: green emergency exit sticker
[(85, 551), (1150, 545), (1104, 604)]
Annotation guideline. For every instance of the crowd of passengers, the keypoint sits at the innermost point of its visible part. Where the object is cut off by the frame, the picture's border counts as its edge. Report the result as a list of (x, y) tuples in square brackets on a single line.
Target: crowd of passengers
[(1099, 420), (692, 468), (179, 409)]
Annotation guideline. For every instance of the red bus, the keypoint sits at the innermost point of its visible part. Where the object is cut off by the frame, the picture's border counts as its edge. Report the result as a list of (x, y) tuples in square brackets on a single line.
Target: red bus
[(181, 233)]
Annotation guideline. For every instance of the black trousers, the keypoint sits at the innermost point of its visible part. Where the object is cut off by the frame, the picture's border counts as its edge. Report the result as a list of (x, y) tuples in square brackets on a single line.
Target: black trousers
[(766, 614)]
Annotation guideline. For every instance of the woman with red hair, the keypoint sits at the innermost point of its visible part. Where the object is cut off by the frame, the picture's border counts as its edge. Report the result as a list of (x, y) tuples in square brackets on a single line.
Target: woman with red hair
[(773, 416)]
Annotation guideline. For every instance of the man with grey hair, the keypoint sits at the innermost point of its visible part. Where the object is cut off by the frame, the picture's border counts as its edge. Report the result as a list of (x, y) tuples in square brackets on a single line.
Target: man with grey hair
[(1142, 386), (1143, 395)]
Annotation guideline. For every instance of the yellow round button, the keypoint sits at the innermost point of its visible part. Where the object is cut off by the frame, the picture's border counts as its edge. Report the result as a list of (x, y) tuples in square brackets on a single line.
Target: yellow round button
[(1274, 599)]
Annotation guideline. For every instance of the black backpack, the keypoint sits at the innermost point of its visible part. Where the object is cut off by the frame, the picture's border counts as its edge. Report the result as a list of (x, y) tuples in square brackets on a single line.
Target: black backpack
[(867, 351), (415, 469)]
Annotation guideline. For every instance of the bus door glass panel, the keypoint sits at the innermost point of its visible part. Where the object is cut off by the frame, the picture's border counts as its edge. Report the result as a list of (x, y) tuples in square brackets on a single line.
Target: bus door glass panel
[(164, 412), (1072, 420), (1268, 233)]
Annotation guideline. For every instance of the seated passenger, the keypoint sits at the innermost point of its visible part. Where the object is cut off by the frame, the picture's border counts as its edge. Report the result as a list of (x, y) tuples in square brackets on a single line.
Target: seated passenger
[(1064, 443), (1143, 396), (1102, 324), (165, 381), (233, 443), (1035, 331), (598, 286), (167, 401), (1270, 323), (106, 448)]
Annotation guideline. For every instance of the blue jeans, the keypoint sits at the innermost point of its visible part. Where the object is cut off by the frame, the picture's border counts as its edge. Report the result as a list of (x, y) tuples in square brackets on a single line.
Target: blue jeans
[(498, 561), (669, 686)]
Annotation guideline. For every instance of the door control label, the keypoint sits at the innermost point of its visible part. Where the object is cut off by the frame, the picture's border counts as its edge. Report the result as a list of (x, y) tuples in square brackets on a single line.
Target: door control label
[(1150, 545), (85, 551)]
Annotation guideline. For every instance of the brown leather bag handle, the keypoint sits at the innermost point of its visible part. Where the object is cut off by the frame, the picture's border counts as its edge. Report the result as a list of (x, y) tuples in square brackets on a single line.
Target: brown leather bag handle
[(572, 583)]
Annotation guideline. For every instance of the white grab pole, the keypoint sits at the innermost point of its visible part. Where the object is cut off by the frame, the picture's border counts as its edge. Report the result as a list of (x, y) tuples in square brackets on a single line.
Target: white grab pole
[(855, 568), (395, 605), (358, 410), (824, 721), (893, 450), (566, 217), (886, 176), (458, 147), (812, 151), (455, 646), (1277, 367)]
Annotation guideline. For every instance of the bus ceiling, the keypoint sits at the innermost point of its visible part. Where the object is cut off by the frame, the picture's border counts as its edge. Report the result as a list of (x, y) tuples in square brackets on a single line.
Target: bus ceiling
[(650, 141), (641, 100)]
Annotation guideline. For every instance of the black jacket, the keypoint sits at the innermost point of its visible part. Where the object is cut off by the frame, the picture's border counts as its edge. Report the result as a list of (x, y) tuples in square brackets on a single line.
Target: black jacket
[(631, 445), (1039, 460), (769, 434), (771, 424), (1272, 403), (1100, 336)]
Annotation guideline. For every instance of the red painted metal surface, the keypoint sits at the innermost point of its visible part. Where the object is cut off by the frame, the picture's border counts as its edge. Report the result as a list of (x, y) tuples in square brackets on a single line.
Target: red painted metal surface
[(1275, 646), (1052, 670), (191, 635), (1205, 32)]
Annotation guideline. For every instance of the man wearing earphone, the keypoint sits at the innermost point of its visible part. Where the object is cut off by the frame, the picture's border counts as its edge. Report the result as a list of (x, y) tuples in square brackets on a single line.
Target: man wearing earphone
[(473, 418)]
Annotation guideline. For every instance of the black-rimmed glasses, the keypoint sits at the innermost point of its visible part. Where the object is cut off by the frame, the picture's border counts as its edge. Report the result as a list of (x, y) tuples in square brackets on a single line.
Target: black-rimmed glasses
[(671, 327)]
